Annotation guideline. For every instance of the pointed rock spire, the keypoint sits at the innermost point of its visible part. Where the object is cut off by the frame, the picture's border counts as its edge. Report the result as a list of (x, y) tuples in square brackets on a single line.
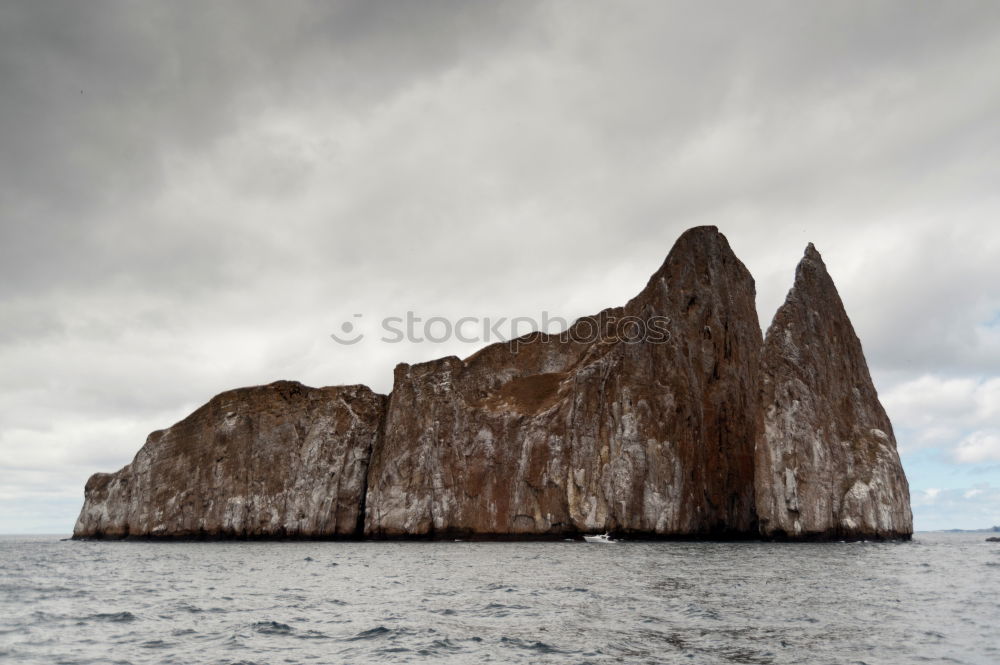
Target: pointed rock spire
[(827, 465), (603, 432)]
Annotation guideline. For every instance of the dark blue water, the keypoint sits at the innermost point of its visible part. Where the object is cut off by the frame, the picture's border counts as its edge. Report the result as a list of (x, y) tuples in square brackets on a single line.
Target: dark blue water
[(934, 600)]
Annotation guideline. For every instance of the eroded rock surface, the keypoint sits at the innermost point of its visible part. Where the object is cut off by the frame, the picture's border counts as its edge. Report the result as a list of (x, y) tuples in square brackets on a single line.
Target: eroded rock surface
[(827, 465), (670, 416), (276, 460), (605, 430)]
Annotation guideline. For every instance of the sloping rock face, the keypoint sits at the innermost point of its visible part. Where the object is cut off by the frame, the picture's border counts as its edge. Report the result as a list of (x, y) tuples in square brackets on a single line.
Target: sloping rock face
[(269, 461), (827, 465), (640, 420)]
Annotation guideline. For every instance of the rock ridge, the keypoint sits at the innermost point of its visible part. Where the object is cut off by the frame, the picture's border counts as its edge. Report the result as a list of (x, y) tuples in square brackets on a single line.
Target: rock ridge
[(605, 435), (667, 417)]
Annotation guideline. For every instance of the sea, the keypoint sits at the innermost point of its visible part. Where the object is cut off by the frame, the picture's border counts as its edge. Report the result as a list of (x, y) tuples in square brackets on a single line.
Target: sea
[(935, 599)]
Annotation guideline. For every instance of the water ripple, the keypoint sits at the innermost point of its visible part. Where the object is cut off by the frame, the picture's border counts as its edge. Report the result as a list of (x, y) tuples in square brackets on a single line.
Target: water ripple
[(240, 603)]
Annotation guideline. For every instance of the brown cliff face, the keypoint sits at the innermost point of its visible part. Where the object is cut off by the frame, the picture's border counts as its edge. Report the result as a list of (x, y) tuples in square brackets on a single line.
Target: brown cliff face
[(276, 460), (604, 430), (669, 416), (827, 465)]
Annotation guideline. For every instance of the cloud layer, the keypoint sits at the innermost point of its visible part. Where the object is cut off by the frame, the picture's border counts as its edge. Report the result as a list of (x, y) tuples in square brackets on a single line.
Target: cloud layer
[(192, 201)]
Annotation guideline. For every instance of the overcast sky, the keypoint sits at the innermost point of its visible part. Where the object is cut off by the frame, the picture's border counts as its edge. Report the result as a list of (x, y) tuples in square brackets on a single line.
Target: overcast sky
[(194, 196)]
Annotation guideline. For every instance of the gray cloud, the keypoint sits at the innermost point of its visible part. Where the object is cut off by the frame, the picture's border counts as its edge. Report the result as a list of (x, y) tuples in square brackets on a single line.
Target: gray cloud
[(192, 198)]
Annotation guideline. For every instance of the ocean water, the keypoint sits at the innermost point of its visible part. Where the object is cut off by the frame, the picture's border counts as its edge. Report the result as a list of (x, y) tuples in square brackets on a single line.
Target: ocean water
[(933, 600)]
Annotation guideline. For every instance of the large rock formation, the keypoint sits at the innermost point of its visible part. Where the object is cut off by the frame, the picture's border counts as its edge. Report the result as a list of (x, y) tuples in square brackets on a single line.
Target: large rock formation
[(827, 465), (275, 460), (643, 420), (616, 427)]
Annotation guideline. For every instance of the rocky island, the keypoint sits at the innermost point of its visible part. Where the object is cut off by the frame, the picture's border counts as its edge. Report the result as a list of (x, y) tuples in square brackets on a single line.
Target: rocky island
[(711, 430)]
